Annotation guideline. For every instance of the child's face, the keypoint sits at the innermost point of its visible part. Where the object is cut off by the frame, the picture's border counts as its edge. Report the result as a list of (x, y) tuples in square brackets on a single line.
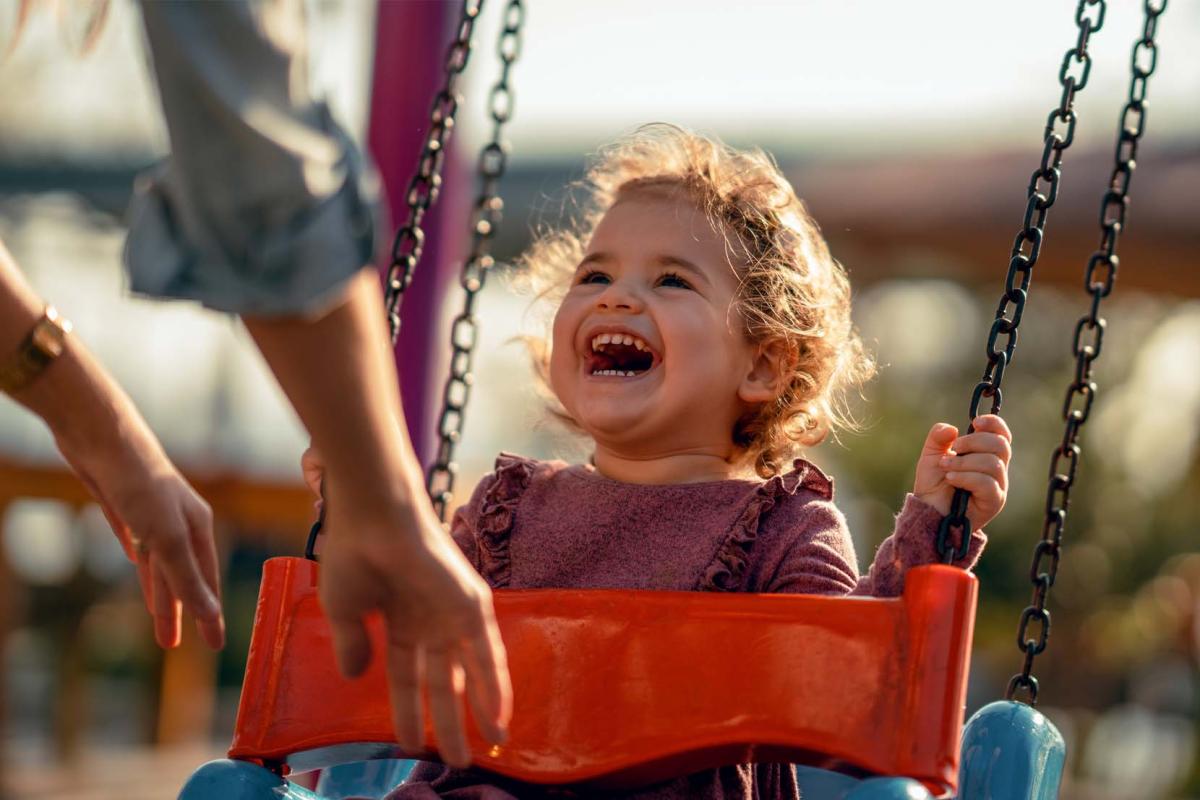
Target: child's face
[(649, 355)]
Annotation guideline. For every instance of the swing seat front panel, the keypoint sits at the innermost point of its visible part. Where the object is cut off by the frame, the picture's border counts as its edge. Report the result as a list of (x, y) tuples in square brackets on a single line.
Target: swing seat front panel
[(621, 688)]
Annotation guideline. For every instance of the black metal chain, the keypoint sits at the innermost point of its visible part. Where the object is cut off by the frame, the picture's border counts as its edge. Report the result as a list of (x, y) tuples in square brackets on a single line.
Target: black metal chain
[(410, 238), (1098, 281), (1043, 191), (425, 183), (485, 219)]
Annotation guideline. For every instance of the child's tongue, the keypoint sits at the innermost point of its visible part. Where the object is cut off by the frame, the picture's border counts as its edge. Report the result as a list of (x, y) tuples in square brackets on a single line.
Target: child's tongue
[(622, 358)]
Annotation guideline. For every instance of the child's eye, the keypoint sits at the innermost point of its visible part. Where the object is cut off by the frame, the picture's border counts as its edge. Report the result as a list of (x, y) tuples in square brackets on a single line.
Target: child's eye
[(674, 281), (594, 276)]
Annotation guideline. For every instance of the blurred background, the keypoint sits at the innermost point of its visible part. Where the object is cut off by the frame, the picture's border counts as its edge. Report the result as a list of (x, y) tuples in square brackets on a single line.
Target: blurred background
[(910, 129)]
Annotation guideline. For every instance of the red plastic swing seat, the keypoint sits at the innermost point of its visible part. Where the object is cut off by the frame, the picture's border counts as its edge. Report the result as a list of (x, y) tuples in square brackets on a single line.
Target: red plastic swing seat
[(626, 688)]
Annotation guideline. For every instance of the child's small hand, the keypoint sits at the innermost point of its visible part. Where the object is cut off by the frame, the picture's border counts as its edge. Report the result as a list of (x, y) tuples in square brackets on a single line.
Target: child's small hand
[(977, 462)]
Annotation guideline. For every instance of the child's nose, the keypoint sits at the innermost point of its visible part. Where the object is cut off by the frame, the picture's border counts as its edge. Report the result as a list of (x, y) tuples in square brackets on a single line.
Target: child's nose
[(618, 296)]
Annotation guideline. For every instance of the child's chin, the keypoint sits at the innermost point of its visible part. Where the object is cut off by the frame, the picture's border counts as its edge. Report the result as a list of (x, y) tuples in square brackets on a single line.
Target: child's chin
[(608, 425)]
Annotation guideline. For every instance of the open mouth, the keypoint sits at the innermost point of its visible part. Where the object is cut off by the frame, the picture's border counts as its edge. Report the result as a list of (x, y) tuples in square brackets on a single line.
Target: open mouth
[(620, 355)]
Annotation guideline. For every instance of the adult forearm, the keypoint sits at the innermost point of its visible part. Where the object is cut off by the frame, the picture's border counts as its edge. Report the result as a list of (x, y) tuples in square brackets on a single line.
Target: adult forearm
[(82, 405), (160, 520), (338, 372), (386, 550), (20, 307)]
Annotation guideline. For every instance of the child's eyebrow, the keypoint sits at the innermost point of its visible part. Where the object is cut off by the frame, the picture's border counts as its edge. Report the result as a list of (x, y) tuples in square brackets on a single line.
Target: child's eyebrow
[(595, 258), (668, 260)]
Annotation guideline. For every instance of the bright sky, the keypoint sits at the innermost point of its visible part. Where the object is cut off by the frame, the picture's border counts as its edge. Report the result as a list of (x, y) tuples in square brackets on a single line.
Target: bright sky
[(853, 75), (854, 72)]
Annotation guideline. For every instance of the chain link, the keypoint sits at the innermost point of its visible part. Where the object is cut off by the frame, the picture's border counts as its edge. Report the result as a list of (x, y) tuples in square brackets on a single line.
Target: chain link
[(1041, 195), (410, 238), (1098, 281), (427, 181), (485, 219)]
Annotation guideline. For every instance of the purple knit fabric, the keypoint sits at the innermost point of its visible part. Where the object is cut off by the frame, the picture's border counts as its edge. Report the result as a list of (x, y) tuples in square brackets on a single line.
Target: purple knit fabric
[(536, 524)]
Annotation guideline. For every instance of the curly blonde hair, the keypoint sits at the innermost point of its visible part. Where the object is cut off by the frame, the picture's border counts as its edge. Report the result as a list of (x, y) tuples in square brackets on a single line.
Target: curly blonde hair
[(791, 290)]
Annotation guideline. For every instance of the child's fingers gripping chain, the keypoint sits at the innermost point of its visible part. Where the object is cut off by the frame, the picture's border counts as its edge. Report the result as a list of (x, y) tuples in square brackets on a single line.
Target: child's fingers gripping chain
[(987, 464), (987, 496), (983, 442), (992, 423), (978, 484), (938, 439)]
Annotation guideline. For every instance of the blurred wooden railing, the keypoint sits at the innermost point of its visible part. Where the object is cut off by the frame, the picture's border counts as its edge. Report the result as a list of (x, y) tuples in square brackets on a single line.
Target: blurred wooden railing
[(242, 507), (272, 507)]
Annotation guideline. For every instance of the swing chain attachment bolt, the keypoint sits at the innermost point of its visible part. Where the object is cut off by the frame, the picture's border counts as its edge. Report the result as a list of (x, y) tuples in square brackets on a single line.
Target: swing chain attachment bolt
[(1099, 277)]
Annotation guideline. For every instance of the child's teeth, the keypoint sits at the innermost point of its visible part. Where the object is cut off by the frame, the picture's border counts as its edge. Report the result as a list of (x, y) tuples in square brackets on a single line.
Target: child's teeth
[(639, 344)]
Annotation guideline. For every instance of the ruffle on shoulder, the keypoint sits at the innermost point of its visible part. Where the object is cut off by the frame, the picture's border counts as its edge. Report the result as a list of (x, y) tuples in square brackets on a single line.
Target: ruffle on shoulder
[(727, 570), (497, 512)]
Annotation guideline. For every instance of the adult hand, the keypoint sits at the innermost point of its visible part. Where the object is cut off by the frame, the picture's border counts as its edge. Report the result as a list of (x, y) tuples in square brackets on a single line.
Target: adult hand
[(440, 626), (977, 462), (164, 526)]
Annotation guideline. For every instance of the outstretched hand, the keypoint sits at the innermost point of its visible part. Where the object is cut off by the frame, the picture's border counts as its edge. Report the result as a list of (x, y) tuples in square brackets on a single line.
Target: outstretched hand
[(166, 530), (441, 630), (977, 462)]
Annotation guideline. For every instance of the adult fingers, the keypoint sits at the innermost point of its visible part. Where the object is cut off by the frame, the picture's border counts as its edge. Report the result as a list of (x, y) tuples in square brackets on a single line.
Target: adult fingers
[(444, 677), (174, 558), (345, 605), (212, 629), (489, 688), (167, 608), (986, 463), (118, 526), (313, 468), (141, 563), (404, 671)]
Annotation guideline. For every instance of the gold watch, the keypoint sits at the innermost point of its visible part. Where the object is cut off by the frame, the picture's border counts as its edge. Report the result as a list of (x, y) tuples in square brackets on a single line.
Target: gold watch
[(37, 351)]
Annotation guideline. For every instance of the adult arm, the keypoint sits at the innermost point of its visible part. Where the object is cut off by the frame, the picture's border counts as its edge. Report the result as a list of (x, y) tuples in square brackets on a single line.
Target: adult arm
[(263, 210), (111, 448), (385, 547)]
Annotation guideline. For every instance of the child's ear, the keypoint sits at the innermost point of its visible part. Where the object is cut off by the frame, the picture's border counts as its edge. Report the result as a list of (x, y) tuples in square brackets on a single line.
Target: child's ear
[(769, 372)]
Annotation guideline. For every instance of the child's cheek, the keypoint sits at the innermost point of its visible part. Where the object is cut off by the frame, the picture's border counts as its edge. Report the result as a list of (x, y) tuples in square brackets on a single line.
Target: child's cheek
[(561, 358)]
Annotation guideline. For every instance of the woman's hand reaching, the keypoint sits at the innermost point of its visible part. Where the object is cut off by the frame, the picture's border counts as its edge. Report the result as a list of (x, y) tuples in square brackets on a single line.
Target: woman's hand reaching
[(164, 526), (441, 629), (977, 462)]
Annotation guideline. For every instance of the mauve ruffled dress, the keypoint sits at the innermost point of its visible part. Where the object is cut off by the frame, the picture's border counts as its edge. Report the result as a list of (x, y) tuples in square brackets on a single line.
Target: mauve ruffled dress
[(537, 524)]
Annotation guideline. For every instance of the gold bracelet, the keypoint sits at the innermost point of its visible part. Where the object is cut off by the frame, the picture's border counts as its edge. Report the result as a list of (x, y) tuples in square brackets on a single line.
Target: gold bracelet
[(36, 352)]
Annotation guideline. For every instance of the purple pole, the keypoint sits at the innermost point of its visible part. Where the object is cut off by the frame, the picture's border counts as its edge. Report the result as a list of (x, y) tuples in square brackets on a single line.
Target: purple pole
[(411, 41)]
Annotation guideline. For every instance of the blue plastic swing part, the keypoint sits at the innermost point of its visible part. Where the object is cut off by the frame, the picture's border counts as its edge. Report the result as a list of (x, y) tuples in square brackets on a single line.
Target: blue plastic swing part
[(1010, 751)]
